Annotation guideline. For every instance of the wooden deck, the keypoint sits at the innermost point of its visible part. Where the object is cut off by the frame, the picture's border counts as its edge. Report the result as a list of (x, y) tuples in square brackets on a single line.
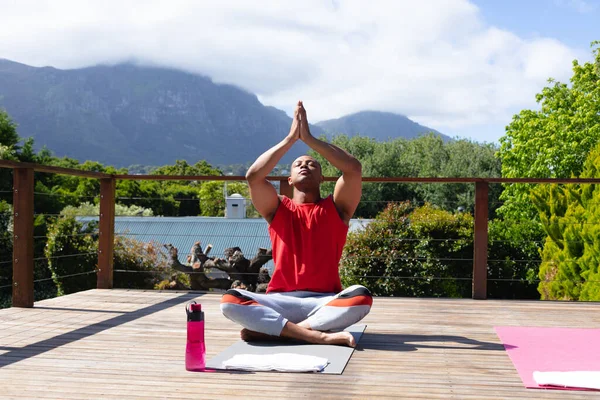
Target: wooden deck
[(121, 344)]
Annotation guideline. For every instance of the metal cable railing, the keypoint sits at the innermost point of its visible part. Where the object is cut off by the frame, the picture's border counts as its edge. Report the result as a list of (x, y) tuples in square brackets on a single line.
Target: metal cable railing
[(498, 266), (56, 278)]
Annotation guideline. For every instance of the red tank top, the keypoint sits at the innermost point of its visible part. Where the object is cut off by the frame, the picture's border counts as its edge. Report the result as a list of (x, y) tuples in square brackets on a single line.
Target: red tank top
[(307, 240)]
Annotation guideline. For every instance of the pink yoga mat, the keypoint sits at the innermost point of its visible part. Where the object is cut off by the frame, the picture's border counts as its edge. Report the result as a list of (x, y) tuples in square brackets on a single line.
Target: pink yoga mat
[(550, 349)]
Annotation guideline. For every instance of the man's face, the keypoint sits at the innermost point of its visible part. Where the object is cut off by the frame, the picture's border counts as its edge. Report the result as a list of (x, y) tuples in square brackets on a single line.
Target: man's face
[(306, 171)]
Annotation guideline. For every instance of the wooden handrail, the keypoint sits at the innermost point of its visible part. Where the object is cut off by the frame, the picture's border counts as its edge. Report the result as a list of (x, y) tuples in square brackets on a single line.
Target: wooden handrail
[(395, 179), (52, 169)]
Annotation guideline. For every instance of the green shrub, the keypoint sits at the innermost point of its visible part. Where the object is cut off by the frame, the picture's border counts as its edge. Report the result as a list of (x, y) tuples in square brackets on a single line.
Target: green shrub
[(146, 263), (514, 259), (427, 251), (89, 209), (411, 252), (6, 238), (71, 251), (570, 215)]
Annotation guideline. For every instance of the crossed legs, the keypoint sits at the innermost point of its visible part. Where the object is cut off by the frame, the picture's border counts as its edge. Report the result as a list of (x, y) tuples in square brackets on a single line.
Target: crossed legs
[(305, 316)]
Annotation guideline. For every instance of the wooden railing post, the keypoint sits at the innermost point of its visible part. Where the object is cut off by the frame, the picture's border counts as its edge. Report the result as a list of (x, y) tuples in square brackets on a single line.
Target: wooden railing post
[(285, 188), (480, 244), (22, 293), (106, 233)]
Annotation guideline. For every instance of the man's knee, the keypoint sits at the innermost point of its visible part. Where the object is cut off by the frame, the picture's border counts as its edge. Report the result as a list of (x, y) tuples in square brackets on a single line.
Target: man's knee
[(233, 300), (355, 290), (356, 295)]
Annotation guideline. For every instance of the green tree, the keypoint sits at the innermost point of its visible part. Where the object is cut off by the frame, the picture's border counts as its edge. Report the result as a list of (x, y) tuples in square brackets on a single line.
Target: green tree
[(570, 215), (378, 160), (430, 156), (8, 151), (212, 199), (182, 196), (181, 167), (426, 156), (553, 141), (8, 131)]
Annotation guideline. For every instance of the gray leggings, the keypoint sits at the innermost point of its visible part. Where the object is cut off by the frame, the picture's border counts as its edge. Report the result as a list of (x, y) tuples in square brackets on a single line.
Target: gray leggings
[(268, 313)]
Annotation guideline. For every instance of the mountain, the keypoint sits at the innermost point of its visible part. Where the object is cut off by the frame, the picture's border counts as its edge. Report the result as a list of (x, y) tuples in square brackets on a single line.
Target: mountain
[(378, 125), (127, 114)]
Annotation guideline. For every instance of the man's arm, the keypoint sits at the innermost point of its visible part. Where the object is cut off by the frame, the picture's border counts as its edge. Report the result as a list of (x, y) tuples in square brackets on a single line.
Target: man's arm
[(348, 188), (263, 194)]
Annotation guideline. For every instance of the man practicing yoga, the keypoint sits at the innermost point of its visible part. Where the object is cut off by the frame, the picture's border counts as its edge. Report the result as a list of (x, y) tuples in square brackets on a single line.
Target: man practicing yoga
[(304, 299)]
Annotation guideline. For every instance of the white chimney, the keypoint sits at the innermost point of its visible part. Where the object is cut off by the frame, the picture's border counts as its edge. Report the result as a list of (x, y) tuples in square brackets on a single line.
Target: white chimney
[(235, 206)]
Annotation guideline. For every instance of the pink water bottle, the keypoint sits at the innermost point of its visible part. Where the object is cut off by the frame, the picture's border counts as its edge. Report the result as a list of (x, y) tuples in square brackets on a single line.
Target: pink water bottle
[(195, 351)]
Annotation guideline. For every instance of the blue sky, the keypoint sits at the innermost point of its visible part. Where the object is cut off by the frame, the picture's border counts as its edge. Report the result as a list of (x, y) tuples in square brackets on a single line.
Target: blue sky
[(574, 22), (463, 67)]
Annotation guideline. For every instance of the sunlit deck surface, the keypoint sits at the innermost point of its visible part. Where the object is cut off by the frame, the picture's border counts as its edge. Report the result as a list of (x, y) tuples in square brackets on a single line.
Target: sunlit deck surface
[(128, 344)]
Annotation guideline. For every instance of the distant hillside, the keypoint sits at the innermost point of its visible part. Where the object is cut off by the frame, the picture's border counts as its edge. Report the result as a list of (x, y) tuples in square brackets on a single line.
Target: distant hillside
[(126, 114), (378, 125)]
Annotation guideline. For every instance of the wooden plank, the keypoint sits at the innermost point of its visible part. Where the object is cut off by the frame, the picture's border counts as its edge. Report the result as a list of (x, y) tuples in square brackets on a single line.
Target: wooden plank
[(480, 244), (106, 233), (22, 294)]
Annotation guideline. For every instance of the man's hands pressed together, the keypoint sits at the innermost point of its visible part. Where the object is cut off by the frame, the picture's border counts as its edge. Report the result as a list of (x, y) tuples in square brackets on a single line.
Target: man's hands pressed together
[(295, 129)]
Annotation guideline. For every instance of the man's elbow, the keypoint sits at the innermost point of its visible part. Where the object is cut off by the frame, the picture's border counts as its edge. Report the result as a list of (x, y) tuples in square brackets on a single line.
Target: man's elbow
[(354, 167), (251, 175)]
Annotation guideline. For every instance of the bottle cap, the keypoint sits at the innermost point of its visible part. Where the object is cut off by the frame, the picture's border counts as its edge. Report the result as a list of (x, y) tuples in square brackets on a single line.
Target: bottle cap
[(196, 307)]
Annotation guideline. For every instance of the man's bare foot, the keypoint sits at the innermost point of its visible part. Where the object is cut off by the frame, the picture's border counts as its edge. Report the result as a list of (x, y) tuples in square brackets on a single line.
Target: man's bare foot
[(340, 338), (334, 338), (251, 336)]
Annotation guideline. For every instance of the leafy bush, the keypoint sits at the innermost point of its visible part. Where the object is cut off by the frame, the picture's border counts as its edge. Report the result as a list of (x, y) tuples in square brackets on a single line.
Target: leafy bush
[(411, 252), (89, 209), (147, 264), (427, 251), (514, 259), (71, 251), (6, 232), (44, 286), (570, 216)]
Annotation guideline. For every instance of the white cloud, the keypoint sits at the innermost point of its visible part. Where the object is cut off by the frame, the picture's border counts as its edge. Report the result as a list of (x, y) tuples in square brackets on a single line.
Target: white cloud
[(433, 60)]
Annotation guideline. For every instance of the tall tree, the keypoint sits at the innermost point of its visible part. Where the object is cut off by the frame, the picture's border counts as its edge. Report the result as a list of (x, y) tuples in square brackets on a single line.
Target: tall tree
[(553, 141), (426, 156), (570, 216), (8, 151)]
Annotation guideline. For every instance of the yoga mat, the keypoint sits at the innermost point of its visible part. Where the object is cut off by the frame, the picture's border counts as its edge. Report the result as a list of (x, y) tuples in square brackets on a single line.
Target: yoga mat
[(338, 356), (550, 350)]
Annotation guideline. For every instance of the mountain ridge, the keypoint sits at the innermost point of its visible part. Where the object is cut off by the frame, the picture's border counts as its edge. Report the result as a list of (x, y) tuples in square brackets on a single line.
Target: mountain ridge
[(127, 114)]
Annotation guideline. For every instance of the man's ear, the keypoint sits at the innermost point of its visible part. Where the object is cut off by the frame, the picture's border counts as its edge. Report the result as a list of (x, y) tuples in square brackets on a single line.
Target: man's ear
[(290, 181)]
